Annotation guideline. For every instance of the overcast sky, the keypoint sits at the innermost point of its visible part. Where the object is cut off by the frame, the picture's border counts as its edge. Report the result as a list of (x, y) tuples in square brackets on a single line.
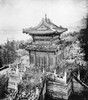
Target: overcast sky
[(18, 14)]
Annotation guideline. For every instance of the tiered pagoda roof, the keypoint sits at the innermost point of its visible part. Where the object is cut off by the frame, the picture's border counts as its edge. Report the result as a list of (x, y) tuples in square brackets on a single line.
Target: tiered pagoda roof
[(45, 27), (45, 36)]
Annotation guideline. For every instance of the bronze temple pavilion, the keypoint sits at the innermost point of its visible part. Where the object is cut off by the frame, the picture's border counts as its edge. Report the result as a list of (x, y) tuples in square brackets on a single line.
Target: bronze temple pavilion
[(43, 53), (43, 50)]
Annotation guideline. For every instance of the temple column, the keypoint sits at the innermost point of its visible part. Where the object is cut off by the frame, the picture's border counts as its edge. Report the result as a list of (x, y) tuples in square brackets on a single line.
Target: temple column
[(35, 63), (48, 60)]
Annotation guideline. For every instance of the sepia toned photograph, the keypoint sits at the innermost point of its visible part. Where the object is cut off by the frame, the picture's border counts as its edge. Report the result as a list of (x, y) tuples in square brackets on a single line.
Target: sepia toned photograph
[(43, 50)]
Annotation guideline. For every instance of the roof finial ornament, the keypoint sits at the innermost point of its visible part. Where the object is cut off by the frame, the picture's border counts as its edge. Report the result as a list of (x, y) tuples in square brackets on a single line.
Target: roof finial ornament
[(45, 16)]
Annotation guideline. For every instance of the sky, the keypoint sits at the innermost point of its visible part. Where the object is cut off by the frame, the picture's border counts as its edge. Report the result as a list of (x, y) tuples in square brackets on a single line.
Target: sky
[(18, 14)]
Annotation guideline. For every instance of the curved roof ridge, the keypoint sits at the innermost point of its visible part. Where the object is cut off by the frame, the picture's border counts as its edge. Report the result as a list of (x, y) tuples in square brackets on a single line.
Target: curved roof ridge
[(41, 22), (47, 24)]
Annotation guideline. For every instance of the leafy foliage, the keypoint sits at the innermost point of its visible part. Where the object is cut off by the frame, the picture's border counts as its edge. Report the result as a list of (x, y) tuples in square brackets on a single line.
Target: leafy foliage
[(3, 85), (84, 41), (8, 51), (73, 52)]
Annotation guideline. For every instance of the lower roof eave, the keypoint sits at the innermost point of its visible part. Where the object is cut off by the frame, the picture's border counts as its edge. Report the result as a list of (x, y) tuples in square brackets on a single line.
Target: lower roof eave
[(53, 51), (43, 34)]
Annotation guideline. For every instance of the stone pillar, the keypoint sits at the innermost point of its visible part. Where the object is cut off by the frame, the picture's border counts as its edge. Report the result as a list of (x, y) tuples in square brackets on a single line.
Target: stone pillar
[(37, 91), (65, 76), (78, 75), (55, 72)]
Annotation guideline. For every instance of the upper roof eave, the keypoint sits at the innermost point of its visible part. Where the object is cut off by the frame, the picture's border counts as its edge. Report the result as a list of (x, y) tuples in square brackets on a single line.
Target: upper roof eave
[(56, 32), (44, 27)]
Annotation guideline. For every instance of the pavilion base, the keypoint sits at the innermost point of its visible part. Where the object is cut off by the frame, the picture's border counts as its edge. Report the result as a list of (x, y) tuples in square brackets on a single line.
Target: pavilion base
[(58, 90)]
